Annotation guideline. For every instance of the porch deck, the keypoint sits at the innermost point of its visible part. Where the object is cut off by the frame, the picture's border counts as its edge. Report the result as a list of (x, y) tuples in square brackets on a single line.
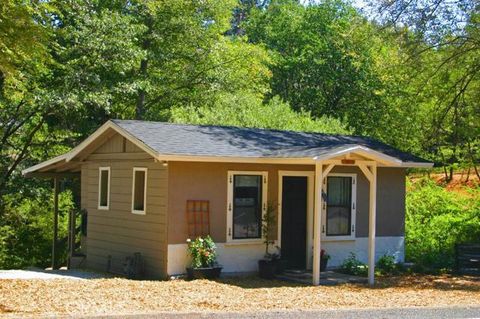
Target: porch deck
[(327, 278)]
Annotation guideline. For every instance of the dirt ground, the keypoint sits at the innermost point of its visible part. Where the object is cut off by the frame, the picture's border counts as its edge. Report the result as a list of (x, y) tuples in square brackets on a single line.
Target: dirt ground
[(33, 297)]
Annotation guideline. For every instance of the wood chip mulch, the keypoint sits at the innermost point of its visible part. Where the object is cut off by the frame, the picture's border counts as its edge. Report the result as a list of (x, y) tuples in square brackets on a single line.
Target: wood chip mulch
[(121, 296)]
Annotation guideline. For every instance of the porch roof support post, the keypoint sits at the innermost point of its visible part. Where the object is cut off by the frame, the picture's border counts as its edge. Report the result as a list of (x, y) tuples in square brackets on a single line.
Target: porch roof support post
[(317, 224), (56, 187), (372, 212)]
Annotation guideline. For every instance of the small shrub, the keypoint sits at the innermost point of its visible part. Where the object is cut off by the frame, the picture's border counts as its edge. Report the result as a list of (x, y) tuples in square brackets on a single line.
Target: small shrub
[(386, 265), (353, 266), (202, 251)]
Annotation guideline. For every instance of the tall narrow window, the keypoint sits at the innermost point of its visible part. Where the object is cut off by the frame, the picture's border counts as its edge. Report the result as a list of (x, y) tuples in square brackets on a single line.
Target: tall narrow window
[(139, 192), (103, 187), (246, 205), (339, 205)]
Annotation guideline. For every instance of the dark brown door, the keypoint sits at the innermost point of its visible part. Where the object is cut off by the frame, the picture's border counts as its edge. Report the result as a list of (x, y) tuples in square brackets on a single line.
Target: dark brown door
[(294, 221)]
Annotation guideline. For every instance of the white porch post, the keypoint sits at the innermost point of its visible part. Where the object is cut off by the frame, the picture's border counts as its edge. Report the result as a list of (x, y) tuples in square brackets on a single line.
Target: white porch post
[(372, 212), (317, 223)]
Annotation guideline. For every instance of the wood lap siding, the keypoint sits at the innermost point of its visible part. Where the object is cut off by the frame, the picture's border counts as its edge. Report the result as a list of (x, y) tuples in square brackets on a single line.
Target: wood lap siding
[(118, 232)]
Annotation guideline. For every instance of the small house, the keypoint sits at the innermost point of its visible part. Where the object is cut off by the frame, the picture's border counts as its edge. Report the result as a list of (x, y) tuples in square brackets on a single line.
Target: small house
[(148, 186)]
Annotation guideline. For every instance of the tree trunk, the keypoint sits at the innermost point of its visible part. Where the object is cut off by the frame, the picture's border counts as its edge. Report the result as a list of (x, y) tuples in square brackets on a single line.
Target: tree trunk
[(445, 172), (140, 108), (476, 170)]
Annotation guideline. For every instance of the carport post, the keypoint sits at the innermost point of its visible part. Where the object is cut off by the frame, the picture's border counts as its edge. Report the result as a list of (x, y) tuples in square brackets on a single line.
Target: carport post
[(372, 212), (56, 187), (317, 224)]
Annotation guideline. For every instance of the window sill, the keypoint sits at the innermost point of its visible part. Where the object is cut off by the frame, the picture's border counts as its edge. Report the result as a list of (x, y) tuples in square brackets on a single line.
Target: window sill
[(338, 238), (239, 242), (139, 212)]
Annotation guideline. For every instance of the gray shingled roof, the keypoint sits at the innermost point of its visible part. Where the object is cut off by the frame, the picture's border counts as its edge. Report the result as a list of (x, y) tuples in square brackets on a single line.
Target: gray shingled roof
[(197, 140)]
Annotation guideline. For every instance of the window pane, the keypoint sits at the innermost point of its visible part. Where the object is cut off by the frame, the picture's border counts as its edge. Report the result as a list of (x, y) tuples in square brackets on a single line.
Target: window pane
[(247, 206), (104, 188), (339, 203), (139, 191)]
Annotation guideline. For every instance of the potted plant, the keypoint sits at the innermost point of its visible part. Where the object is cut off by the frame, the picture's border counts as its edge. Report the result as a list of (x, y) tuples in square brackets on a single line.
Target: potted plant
[(267, 267), (204, 259), (324, 257)]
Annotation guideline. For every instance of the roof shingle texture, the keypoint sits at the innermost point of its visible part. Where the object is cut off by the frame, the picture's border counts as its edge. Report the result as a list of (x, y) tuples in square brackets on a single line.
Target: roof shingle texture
[(199, 140)]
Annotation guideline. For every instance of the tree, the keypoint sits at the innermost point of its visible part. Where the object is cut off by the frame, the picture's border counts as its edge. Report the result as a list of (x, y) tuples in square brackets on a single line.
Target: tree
[(323, 59), (24, 59), (442, 39), (248, 110)]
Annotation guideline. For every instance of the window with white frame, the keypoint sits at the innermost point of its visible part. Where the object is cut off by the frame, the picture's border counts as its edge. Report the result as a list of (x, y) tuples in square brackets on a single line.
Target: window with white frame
[(247, 202), (139, 190), (103, 188), (339, 221)]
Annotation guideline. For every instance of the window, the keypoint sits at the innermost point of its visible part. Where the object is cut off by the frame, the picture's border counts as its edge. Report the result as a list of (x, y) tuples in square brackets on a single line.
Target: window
[(340, 210), (139, 192), (103, 187), (246, 205)]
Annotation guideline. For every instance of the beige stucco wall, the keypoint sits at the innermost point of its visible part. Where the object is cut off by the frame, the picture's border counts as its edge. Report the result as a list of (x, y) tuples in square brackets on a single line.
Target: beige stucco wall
[(118, 232), (208, 181)]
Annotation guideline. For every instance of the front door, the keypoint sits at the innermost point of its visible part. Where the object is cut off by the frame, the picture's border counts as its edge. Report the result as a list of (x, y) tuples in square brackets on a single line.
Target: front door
[(294, 221)]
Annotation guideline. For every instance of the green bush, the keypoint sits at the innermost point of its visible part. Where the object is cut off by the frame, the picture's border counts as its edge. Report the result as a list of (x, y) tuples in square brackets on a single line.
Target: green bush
[(386, 264), (352, 266), (437, 219)]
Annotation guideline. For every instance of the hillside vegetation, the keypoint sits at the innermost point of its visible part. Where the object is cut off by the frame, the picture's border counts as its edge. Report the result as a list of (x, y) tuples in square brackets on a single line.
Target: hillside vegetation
[(438, 217)]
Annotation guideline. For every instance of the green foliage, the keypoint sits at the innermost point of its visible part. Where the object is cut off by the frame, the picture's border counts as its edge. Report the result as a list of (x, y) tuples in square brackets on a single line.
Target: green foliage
[(203, 252), (352, 266), (247, 110), (437, 219), (26, 229), (386, 264), (323, 59), (23, 40), (268, 224)]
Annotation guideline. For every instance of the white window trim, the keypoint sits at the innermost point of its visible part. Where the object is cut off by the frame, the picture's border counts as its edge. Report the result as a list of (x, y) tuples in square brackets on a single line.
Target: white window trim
[(229, 227), (134, 211), (100, 170), (353, 209)]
